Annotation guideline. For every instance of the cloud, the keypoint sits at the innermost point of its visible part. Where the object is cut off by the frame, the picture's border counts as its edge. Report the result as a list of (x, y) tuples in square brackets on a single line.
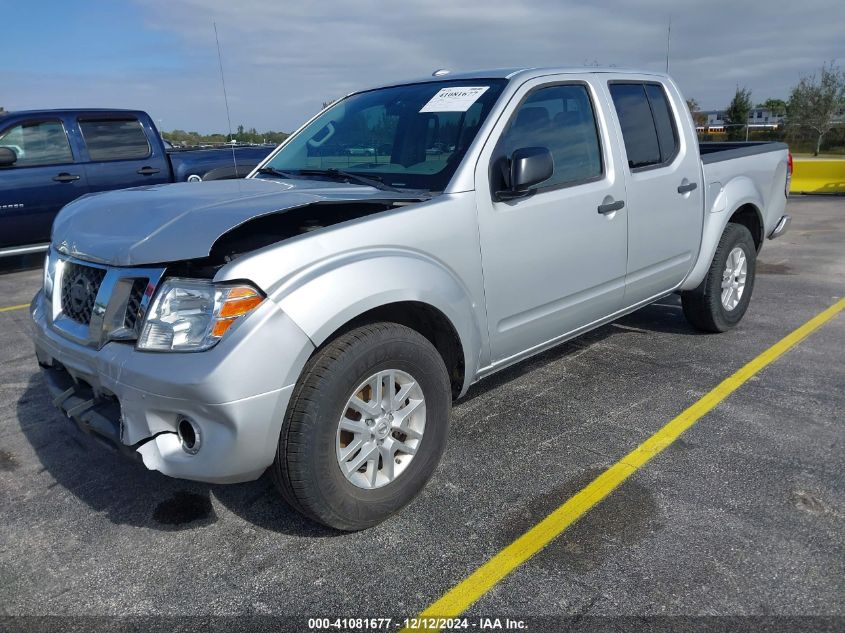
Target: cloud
[(283, 59)]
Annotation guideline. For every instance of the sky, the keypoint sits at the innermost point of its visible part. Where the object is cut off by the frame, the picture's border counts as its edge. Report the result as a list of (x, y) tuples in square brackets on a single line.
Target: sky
[(282, 59)]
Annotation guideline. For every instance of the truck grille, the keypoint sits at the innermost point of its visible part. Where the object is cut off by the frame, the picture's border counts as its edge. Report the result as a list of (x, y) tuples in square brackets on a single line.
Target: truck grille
[(80, 285), (133, 305), (99, 304)]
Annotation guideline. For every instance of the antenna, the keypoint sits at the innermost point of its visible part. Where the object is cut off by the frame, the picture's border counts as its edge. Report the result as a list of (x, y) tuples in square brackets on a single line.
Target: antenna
[(225, 96), (668, 42)]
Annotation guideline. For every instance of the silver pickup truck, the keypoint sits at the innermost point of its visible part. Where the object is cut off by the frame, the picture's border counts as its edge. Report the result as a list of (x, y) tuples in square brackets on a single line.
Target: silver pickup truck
[(319, 317)]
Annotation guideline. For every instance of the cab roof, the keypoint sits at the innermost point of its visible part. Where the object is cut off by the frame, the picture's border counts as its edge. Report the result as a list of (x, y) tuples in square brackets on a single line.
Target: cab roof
[(73, 111), (525, 73)]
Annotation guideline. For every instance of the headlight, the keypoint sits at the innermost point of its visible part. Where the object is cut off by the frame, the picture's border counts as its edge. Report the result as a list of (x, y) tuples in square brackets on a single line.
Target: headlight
[(193, 314)]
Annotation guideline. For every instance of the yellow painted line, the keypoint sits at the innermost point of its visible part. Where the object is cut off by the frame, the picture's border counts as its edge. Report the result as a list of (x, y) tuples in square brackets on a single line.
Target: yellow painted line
[(468, 591), (10, 308)]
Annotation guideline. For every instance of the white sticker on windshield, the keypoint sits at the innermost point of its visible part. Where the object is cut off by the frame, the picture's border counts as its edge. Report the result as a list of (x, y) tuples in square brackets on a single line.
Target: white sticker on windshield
[(455, 99)]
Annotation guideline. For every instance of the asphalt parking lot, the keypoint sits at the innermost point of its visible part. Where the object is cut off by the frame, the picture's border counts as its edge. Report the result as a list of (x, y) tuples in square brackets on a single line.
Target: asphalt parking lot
[(744, 515)]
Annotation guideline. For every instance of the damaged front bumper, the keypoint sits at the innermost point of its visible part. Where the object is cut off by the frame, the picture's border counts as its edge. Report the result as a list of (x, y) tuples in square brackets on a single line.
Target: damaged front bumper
[(234, 394)]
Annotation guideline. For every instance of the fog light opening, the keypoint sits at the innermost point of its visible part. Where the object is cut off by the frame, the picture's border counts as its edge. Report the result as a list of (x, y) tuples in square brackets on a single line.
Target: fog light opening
[(189, 436)]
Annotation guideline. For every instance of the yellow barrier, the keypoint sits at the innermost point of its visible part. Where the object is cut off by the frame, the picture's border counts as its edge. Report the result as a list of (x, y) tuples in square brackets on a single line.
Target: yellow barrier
[(818, 176)]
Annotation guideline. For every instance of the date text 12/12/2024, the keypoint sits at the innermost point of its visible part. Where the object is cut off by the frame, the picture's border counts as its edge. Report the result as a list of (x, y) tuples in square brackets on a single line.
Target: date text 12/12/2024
[(416, 624)]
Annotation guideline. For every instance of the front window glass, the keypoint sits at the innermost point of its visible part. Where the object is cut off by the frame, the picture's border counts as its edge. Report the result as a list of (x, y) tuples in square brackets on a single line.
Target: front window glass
[(411, 136), (43, 143), (561, 119)]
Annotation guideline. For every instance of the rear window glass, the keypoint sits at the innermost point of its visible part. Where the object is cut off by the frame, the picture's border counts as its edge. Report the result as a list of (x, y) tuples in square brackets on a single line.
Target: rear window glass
[(112, 139), (663, 120), (637, 124)]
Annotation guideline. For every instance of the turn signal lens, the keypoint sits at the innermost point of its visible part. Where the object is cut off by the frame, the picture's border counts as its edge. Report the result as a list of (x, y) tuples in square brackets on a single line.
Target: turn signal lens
[(233, 302), (220, 327), (242, 292), (240, 301), (237, 302)]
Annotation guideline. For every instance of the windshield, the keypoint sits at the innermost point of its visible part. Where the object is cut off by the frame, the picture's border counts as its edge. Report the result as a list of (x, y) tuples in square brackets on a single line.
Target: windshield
[(411, 136)]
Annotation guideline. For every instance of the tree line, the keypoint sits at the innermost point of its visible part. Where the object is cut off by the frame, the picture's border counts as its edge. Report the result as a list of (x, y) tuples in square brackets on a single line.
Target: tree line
[(815, 106), (189, 139)]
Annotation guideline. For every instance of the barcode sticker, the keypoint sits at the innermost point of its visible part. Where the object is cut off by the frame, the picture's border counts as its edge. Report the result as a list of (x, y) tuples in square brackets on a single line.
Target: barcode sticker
[(454, 99)]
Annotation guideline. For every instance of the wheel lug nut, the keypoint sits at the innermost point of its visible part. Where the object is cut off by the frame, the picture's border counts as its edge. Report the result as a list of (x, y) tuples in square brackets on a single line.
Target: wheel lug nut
[(370, 421)]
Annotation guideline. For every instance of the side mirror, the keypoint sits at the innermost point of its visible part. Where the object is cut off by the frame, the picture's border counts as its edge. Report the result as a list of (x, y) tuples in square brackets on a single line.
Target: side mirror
[(529, 166), (7, 157)]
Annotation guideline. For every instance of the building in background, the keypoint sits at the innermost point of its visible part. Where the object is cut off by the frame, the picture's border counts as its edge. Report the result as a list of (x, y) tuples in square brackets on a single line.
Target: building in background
[(758, 118)]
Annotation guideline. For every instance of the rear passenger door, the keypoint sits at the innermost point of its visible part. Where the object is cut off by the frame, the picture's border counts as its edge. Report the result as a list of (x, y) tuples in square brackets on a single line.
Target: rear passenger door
[(664, 187), (119, 153), (42, 180), (553, 261)]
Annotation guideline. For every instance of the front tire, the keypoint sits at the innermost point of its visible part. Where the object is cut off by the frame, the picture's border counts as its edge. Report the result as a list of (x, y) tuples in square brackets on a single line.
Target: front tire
[(721, 299), (365, 428)]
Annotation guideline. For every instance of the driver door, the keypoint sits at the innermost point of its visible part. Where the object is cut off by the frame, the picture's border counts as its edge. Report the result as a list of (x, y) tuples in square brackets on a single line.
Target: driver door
[(554, 261), (43, 179)]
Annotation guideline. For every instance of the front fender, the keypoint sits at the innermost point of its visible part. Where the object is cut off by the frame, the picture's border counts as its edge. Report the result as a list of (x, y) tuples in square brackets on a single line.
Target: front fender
[(329, 293), (726, 201)]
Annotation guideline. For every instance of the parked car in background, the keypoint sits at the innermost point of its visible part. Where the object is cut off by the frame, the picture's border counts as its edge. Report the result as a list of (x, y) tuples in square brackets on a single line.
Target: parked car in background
[(318, 321), (50, 157), (360, 151)]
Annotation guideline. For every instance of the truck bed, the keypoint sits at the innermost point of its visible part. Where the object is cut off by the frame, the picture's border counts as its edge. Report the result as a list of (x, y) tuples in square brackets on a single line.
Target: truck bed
[(714, 152), (736, 175)]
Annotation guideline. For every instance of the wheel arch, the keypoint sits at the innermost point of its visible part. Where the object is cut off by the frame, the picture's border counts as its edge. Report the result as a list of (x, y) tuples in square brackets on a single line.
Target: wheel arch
[(740, 202), (750, 217), (429, 321), (412, 290)]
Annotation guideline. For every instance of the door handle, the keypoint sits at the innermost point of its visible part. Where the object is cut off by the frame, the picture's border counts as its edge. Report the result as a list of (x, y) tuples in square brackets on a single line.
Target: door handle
[(65, 177), (146, 170), (610, 207), (687, 188)]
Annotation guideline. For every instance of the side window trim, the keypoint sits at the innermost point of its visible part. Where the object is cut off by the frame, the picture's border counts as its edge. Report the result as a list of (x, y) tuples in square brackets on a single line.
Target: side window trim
[(104, 119), (73, 157), (677, 148), (495, 155)]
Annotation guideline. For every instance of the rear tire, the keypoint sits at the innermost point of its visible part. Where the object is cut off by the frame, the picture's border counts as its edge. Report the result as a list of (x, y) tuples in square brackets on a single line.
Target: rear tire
[(721, 299), (315, 466)]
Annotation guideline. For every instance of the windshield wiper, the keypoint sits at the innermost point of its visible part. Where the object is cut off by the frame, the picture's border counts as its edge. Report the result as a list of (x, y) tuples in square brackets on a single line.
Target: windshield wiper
[(337, 174), (272, 171), (334, 174)]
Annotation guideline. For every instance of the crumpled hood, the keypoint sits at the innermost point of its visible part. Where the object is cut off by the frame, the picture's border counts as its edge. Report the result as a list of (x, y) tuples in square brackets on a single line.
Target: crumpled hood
[(171, 222)]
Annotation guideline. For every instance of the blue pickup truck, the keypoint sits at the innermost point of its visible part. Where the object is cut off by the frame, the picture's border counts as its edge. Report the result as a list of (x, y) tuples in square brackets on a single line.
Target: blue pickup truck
[(50, 157)]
